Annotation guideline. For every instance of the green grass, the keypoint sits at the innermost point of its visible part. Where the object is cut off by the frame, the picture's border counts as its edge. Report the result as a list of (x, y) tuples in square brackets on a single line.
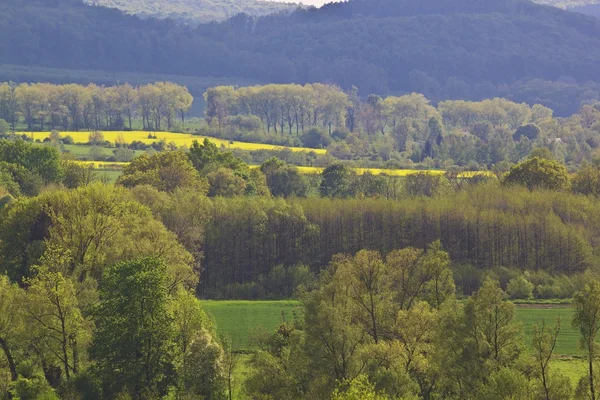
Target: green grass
[(567, 338), (573, 368), (81, 150), (109, 176), (240, 319)]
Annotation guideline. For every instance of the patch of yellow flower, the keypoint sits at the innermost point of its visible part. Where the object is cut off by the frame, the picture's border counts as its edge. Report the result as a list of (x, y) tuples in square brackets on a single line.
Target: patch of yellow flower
[(179, 139)]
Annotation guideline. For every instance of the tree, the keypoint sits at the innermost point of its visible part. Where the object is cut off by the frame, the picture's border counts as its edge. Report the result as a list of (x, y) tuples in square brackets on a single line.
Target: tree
[(587, 180), (10, 322), (53, 315), (553, 385), (336, 181), (490, 323), (537, 173), (427, 184), (519, 288), (76, 175), (359, 389), (133, 345), (41, 160), (206, 158), (587, 320), (166, 171), (284, 180), (224, 182), (4, 127), (530, 131)]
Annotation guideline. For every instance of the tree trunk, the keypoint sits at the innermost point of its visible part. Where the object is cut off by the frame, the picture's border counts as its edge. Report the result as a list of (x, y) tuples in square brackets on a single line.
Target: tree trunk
[(591, 371), (11, 362)]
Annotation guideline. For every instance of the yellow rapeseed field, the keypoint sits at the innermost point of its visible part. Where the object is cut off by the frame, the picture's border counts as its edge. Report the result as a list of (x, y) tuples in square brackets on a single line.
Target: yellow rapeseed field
[(308, 170), (180, 139)]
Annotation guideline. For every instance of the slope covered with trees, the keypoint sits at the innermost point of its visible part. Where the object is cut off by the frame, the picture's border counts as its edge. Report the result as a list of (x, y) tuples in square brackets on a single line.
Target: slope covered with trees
[(473, 49), (195, 11)]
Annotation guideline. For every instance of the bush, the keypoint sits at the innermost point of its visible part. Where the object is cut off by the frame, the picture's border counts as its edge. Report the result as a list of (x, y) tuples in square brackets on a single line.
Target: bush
[(4, 127), (519, 288), (244, 122), (32, 389), (315, 139)]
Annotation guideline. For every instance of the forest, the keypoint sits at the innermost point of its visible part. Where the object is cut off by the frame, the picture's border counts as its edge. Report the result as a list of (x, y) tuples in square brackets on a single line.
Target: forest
[(390, 132), (479, 49), (403, 283)]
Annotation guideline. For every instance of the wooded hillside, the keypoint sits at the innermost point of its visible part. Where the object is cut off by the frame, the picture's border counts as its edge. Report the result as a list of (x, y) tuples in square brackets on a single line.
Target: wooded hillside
[(475, 50)]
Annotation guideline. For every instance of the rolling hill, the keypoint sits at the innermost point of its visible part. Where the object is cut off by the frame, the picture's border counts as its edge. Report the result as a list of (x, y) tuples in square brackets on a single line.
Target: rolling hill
[(468, 49), (195, 11)]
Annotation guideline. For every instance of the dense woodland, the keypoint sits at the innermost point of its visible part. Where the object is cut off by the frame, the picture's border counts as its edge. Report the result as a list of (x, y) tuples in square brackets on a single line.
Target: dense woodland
[(476, 50), (400, 131), (393, 132), (98, 282)]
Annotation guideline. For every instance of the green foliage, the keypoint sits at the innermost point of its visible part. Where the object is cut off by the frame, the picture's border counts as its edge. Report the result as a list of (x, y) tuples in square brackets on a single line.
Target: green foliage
[(284, 180), (429, 185), (32, 389), (133, 343), (76, 175), (336, 181), (41, 160), (587, 180), (166, 171), (359, 389), (55, 320), (537, 173), (530, 131), (4, 127), (223, 182), (519, 288)]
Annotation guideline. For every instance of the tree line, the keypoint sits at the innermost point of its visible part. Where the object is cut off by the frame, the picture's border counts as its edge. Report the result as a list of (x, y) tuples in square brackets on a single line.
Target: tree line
[(390, 327), (72, 106), (401, 131)]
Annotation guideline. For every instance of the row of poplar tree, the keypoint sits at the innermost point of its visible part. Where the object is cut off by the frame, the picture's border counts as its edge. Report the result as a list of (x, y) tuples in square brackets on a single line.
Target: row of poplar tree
[(72, 106)]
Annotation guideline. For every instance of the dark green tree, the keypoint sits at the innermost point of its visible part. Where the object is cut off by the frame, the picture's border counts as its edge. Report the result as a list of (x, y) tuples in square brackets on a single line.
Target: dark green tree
[(134, 344), (538, 173), (336, 181)]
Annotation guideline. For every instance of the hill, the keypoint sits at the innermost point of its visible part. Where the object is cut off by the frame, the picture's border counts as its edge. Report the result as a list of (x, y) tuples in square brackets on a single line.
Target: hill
[(195, 11), (468, 49), (590, 9)]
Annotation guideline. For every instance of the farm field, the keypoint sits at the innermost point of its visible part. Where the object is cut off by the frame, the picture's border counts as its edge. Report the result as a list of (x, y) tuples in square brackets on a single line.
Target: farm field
[(113, 165), (180, 139), (568, 337), (239, 320), (80, 151)]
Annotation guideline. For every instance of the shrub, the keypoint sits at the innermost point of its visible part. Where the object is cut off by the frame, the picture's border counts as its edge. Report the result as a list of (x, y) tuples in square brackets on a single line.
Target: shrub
[(519, 288)]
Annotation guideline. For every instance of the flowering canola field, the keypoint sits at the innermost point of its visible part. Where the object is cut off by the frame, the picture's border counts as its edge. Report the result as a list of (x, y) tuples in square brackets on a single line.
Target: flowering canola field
[(106, 165), (180, 139)]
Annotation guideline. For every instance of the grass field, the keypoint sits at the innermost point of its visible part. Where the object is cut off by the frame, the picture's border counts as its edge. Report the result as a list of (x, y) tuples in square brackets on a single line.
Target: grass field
[(238, 320), (568, 337), (180, 139), (80, 151)]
